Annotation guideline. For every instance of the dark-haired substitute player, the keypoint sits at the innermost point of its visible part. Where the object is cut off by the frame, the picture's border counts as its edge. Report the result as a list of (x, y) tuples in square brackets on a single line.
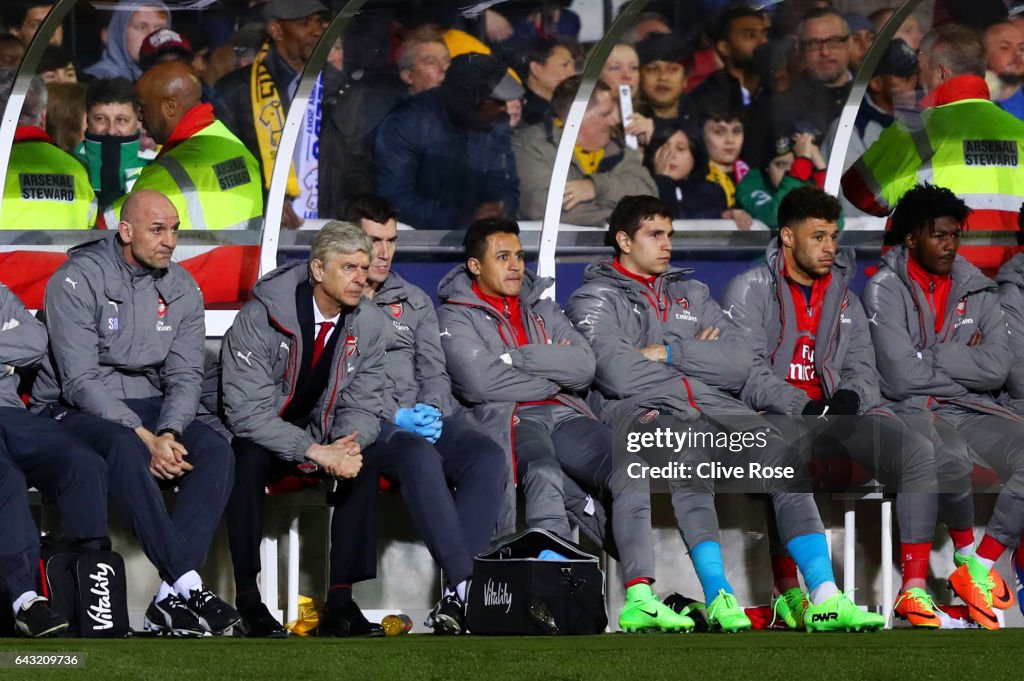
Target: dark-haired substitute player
[(942, 346)]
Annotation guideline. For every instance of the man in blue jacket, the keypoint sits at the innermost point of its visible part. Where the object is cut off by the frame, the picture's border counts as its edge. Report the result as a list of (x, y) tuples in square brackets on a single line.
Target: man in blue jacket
[(444, 156)]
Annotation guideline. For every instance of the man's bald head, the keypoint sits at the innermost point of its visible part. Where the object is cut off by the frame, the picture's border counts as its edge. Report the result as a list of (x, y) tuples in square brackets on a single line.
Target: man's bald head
[(166, 93), (139, 205), (148, 228)]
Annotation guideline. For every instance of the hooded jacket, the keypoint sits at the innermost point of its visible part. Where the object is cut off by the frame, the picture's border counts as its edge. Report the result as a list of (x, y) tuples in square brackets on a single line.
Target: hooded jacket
[(22, 344), (260, 363), (759, 303), (620, 173), (474, 336), (116, 61), (921, 369), (122, 332), (437, 168), (615, 313), (1011, 296), (415, 361)]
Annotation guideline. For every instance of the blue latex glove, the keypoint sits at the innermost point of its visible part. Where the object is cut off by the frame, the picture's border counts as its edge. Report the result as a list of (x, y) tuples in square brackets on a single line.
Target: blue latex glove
[(432, 433), (426, 414), (405, 418), (428, 421)]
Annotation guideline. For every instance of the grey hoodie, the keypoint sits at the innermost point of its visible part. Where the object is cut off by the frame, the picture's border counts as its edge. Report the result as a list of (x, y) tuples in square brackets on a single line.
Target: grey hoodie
[(922, 370), (474, 336), (112, 339), (259, 365), (759, 303), (115, 60), (22, 344), (614, 312), (415, 360), (1011, 294)]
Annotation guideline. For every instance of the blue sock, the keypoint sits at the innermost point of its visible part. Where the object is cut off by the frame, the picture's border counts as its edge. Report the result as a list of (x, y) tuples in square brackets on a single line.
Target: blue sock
[(707, 561), (810, 551)]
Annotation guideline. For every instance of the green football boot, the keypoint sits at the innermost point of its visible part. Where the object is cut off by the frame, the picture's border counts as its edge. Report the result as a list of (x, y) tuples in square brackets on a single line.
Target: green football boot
[(790, 606), (839, 613), (725, 614), (644, 612)]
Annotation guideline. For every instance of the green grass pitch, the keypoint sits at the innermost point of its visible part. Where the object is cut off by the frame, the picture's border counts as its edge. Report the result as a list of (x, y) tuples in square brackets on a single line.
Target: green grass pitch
[(905, 655)]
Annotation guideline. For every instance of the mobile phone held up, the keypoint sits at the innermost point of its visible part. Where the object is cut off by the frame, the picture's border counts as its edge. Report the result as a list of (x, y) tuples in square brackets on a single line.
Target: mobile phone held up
[(626, 105)]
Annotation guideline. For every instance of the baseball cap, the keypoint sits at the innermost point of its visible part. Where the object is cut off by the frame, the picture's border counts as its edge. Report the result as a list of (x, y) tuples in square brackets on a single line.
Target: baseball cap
[(288, 10), (484, 75), (897, 60), (160, 42)]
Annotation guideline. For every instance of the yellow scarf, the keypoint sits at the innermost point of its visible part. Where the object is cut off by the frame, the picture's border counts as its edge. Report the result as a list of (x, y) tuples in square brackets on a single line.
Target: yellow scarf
[(268, 115), (589, 160), (721, 178)]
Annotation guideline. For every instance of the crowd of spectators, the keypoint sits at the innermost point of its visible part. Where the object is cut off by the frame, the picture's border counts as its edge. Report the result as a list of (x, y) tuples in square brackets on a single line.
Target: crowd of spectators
[(729, 109)]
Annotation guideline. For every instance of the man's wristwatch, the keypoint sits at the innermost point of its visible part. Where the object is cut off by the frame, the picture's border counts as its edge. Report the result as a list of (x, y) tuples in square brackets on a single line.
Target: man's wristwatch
[(172, 431)]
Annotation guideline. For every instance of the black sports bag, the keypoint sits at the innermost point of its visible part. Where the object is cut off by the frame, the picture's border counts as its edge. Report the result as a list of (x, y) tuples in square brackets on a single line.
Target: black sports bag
[(515, 593), (89, 589)]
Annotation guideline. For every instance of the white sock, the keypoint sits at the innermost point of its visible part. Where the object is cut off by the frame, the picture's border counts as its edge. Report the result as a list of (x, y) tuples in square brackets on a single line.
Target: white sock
[(984, 561), (164, 591), (824, 592), (459, 591), (190, 581), (23, 599), (965, 551)]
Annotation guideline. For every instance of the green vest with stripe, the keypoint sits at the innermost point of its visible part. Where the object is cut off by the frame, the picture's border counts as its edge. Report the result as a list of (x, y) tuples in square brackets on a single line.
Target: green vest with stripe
[(211, 178), (971, 147), (46, 188)]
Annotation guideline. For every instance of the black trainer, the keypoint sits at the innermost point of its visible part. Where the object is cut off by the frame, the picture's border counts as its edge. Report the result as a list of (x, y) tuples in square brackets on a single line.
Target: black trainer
[(257, 622), (213, 614), (36, 619), (171, 617), (448, 618), (348, 620)]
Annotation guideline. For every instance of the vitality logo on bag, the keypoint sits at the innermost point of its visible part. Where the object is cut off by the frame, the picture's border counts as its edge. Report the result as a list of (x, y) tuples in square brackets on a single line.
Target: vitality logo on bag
[(100, 611), (497, 595)]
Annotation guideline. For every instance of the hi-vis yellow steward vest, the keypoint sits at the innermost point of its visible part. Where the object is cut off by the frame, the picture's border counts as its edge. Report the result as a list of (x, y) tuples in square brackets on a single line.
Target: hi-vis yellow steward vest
[(211, 178), (46, 188)]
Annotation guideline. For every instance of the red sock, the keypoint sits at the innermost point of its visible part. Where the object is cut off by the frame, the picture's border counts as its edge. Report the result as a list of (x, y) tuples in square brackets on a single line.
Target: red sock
[(989, 548), (1019, 556), (784, 573), (914, 558), (961, 537), (639, 580)]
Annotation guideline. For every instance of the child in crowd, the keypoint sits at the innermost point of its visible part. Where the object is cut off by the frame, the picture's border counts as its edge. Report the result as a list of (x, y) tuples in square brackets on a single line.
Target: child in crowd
[(723, 138), (672, 159), (795, 161)]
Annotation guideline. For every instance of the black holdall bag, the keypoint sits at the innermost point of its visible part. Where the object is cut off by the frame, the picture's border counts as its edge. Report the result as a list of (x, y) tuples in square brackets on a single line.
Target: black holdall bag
[(515, 593), (88, 588)]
